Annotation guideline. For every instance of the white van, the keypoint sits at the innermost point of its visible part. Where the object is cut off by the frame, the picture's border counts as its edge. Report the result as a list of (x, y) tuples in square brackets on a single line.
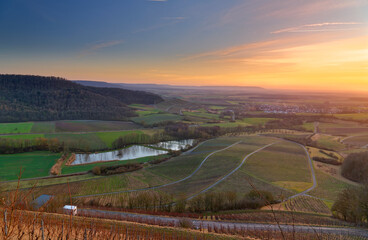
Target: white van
[(70, 210)]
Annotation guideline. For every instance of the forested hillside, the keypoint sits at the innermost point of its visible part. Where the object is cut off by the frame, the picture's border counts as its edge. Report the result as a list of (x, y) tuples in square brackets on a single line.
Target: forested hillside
[(36, 98)]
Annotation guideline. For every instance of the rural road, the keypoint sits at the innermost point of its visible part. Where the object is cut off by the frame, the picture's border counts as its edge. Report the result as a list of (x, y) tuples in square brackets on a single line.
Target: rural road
[(314, 179), (252, 226), (167, 184)]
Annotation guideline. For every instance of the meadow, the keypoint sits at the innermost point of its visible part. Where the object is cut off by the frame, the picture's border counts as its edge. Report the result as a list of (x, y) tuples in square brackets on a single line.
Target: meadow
[(65, 126), (156, 118), (9, 128), (33, 165)]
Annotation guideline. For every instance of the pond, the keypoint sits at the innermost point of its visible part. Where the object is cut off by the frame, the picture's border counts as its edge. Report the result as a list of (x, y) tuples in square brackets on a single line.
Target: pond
[(175, 145), (129, 153)]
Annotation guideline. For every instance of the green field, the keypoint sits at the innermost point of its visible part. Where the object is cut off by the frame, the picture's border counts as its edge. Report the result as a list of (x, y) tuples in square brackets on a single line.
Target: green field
[(284, 164), (24, 136), (257, 121), (353, 116), (9, 128), (109, 137), (65, 126), (328, 187), (156, 118), (329, 142), (35, 164), (43, 127), (358, 141), (204, 115)]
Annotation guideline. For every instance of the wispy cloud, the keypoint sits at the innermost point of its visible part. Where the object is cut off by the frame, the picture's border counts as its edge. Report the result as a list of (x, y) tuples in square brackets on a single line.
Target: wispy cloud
[(318, 27), (100, 45)]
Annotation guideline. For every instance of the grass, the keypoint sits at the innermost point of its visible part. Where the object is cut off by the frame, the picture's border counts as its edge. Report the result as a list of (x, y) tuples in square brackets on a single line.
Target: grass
[(202, 115), (87, 167), (328, 187), (156, 118), (257, 121), (329, 142), (9, 128), (353, 116), (109, 137), (84, 141), (24, 136), (93, 126), (357, 141), (283, 164), (43, 127), (212, 170), (35, 164), (217, 107), (315, 152)]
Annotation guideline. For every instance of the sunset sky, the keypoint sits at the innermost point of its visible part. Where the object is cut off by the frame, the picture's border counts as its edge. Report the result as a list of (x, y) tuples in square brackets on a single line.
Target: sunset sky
[(288, 44)]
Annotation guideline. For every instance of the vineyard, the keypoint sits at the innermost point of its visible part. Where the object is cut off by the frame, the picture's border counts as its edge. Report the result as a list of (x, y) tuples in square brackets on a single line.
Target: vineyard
[(307, 204)]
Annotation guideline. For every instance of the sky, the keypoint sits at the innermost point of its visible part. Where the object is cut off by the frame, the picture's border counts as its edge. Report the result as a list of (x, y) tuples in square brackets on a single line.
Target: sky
[(283, 44)]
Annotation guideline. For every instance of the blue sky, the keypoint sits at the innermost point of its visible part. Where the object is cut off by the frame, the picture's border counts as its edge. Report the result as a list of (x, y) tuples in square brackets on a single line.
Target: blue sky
[(199, 42)]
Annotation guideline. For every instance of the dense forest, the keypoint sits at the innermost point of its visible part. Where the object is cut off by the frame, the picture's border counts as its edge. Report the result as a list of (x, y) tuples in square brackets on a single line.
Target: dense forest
[(36, 98)]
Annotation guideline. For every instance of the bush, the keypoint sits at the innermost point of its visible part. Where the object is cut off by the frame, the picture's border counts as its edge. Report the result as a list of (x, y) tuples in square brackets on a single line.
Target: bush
[(185, 223), (327, 160), (355, 167), (110, 170), (352, 205)]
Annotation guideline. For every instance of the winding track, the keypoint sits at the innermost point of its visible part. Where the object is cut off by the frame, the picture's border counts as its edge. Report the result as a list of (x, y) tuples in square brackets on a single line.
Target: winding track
[(167, 184), (314, 179)]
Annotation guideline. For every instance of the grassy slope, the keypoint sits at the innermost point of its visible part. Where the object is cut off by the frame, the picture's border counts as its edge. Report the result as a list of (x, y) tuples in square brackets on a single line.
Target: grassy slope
[(284, 164), (35, 164)]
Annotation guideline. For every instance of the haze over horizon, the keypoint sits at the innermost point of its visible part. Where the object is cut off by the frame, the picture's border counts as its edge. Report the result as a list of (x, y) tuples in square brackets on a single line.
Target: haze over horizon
[(283, 44)]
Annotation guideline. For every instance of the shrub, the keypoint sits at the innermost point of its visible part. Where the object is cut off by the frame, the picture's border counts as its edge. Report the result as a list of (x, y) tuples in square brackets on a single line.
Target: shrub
[(110, 170), (355, 167), (327, 160), (185, 223)]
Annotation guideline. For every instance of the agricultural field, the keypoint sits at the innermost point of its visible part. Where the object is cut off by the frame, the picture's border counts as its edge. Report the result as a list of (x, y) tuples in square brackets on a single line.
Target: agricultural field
[(328, 187), (23, 136), (353, 116), (284, 164), (9, 128), (65, 126), (257, 121), (328, 142), (34, 164), (156, 118), (202, 115), (358, 141), (307, 204), (343, 128)]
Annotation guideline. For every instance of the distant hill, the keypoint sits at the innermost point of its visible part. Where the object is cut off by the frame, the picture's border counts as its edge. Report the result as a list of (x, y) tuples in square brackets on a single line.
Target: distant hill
[(153, 87), (36, 98)]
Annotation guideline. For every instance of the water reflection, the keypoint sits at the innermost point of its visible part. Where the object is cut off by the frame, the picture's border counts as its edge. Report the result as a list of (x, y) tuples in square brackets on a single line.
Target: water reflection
[(175, 145), (132, 152)]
